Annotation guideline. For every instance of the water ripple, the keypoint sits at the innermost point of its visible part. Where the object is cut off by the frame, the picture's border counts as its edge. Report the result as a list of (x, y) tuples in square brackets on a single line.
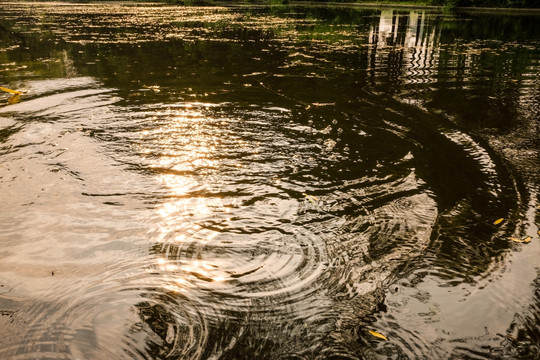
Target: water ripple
[(165, 198)]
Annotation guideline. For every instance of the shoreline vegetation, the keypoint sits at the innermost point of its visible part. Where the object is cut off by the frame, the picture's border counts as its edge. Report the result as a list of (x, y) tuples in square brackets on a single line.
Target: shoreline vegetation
[(436, 4), (483, 6), (469, 5)]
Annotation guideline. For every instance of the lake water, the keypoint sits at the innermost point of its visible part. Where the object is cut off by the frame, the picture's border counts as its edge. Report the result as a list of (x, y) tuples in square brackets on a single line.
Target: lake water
[(268, 183)]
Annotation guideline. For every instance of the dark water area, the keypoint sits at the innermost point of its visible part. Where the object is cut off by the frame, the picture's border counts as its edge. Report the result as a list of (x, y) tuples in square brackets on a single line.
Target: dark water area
[(268, 183)]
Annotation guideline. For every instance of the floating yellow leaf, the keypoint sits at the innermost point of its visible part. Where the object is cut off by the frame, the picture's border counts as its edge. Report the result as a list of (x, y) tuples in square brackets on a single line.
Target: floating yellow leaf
[(498, 221), (10, 91), (14, 99), (525, 240), (312, 199), (377, 335)]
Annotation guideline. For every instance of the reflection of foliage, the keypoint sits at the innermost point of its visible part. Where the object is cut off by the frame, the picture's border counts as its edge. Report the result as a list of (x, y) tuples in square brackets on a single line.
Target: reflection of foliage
[(487, 3), (454, 3), (279, 2), (331, 15), (162, 325), (189, 2), (446, 3)]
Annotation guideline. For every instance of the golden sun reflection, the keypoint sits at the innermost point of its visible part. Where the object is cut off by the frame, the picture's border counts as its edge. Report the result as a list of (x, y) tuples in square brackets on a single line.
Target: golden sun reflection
[(190, 274), (184, 148)]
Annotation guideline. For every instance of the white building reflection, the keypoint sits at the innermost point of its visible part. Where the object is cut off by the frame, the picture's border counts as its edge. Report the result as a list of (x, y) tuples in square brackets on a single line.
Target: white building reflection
[(404, 43), (387, 28)]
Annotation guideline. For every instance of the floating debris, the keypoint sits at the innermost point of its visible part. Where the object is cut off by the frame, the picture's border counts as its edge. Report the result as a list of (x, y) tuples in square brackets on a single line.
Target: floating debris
[(313, 199), (15, 92), (14, 99), (378, 335), (525, 240)]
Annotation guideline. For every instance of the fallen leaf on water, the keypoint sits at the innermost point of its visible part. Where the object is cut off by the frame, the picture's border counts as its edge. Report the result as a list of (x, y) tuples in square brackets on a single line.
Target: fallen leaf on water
[(498, 221), (525, 240), (312, 199), (377, 335), (10, 91), (14, 99)]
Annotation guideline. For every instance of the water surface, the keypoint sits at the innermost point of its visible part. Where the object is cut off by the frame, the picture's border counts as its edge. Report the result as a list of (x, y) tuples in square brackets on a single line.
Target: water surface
[(268, 182)]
